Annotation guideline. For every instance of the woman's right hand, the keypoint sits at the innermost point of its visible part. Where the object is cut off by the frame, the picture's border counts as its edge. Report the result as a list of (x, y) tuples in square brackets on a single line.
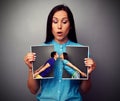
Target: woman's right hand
[(29, 58)]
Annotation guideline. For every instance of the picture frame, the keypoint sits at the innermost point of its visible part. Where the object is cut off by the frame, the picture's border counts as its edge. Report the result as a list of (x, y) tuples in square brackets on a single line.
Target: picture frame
[(76, 55)]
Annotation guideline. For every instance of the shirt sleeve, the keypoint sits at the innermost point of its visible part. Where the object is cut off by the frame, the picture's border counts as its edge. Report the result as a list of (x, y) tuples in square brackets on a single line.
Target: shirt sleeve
[(65, 61), (51, 62)]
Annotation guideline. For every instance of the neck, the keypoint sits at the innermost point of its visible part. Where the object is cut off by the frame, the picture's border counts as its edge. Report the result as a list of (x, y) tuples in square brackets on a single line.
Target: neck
[(55, 58), (61, 41)]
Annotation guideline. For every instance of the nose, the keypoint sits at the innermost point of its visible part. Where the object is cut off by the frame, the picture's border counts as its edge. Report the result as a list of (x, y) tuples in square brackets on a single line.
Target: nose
[(59, 25)]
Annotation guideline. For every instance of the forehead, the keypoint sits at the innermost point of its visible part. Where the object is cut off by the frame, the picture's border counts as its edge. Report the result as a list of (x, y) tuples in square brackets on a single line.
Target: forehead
[(60, 14)]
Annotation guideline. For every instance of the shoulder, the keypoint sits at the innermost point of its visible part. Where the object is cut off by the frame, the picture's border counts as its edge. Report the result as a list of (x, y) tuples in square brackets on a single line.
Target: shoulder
[(74, 44), (65, 61), (46, 44), (51, 60)]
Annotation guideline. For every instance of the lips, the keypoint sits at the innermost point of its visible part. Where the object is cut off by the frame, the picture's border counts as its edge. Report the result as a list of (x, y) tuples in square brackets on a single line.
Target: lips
[(59, 33)]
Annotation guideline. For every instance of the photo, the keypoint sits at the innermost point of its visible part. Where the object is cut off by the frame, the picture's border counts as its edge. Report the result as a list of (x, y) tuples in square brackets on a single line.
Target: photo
[(45, 59), (73, 60)]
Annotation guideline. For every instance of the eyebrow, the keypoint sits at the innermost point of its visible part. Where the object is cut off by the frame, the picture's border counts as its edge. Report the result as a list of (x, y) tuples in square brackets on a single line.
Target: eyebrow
[(62, 18)]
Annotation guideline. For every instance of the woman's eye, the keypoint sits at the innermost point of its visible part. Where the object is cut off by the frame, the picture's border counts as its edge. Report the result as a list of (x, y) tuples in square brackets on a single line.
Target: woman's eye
[(55, 21), (65, 21)]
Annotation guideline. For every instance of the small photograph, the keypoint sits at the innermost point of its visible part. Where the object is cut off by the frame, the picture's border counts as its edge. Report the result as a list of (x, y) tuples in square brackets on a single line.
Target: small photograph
[(44, 63), (73, 62)]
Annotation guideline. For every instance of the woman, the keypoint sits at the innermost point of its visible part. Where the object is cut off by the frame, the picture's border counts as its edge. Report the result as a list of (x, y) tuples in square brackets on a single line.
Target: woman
[(70, 68), (60, 33)]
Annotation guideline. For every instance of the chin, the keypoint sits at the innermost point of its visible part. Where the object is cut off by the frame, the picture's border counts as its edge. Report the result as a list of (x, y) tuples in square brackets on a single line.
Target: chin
[(60, 39)]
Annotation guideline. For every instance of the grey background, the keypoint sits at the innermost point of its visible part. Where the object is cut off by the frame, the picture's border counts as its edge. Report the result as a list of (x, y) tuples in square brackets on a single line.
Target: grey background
[(23, 23)]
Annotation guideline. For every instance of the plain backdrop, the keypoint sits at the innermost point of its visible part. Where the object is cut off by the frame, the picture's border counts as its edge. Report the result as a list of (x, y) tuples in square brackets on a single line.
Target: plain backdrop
[(23, 23)]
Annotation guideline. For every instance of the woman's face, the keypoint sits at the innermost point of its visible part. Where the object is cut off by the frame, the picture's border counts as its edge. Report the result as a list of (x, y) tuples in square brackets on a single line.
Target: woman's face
[(60, 26), (61, 56)]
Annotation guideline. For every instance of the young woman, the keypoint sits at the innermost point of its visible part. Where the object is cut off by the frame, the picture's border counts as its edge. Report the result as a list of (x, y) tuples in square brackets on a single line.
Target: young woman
[(70, 68), (60, 33)]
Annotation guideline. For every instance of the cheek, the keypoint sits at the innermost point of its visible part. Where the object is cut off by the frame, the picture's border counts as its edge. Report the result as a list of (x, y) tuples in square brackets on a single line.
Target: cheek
[(53, 29), (67, 29)]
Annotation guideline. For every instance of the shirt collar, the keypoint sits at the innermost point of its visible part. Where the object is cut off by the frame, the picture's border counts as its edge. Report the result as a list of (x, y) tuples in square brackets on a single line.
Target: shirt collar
[(56, 43)]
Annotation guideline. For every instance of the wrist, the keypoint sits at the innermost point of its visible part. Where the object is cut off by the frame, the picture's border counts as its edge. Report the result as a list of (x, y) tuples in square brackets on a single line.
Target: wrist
[(30, 70)]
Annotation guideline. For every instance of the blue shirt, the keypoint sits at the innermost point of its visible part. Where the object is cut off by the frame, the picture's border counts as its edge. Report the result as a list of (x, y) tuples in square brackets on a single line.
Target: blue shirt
[(70, 70), (57, 89), (51, 61)]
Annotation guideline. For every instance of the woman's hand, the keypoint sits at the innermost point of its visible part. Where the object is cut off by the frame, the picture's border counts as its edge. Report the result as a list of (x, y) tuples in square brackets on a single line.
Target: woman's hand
[(33, 84), (90, 64), (28, 59)]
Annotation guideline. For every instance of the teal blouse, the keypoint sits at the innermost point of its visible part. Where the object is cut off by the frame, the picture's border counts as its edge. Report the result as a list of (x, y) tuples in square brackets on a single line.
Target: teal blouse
[(57, 89)]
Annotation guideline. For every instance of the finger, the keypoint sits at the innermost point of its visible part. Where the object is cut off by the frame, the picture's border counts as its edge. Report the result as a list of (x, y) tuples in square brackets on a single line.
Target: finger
[(31, 58), (85, 62), (87, 59), (89, 62), (31, 54), (88, 65)]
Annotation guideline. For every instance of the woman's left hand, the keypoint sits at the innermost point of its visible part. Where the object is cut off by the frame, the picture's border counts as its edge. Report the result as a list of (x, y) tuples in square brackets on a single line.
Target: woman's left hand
[(90, 64)]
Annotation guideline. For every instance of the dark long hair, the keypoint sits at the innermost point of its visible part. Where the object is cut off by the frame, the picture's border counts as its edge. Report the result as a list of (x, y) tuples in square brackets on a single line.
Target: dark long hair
[(65, 55), (72, 32)]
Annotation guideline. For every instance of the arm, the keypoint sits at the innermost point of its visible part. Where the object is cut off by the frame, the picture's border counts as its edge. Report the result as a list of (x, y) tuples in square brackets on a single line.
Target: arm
[(74, 67), (86, 84), (33, 84), (38, 69), (44, 68), (41, 70)]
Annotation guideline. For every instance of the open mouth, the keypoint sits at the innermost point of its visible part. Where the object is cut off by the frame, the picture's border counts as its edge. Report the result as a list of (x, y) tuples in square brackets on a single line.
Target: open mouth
[(59, 33)]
